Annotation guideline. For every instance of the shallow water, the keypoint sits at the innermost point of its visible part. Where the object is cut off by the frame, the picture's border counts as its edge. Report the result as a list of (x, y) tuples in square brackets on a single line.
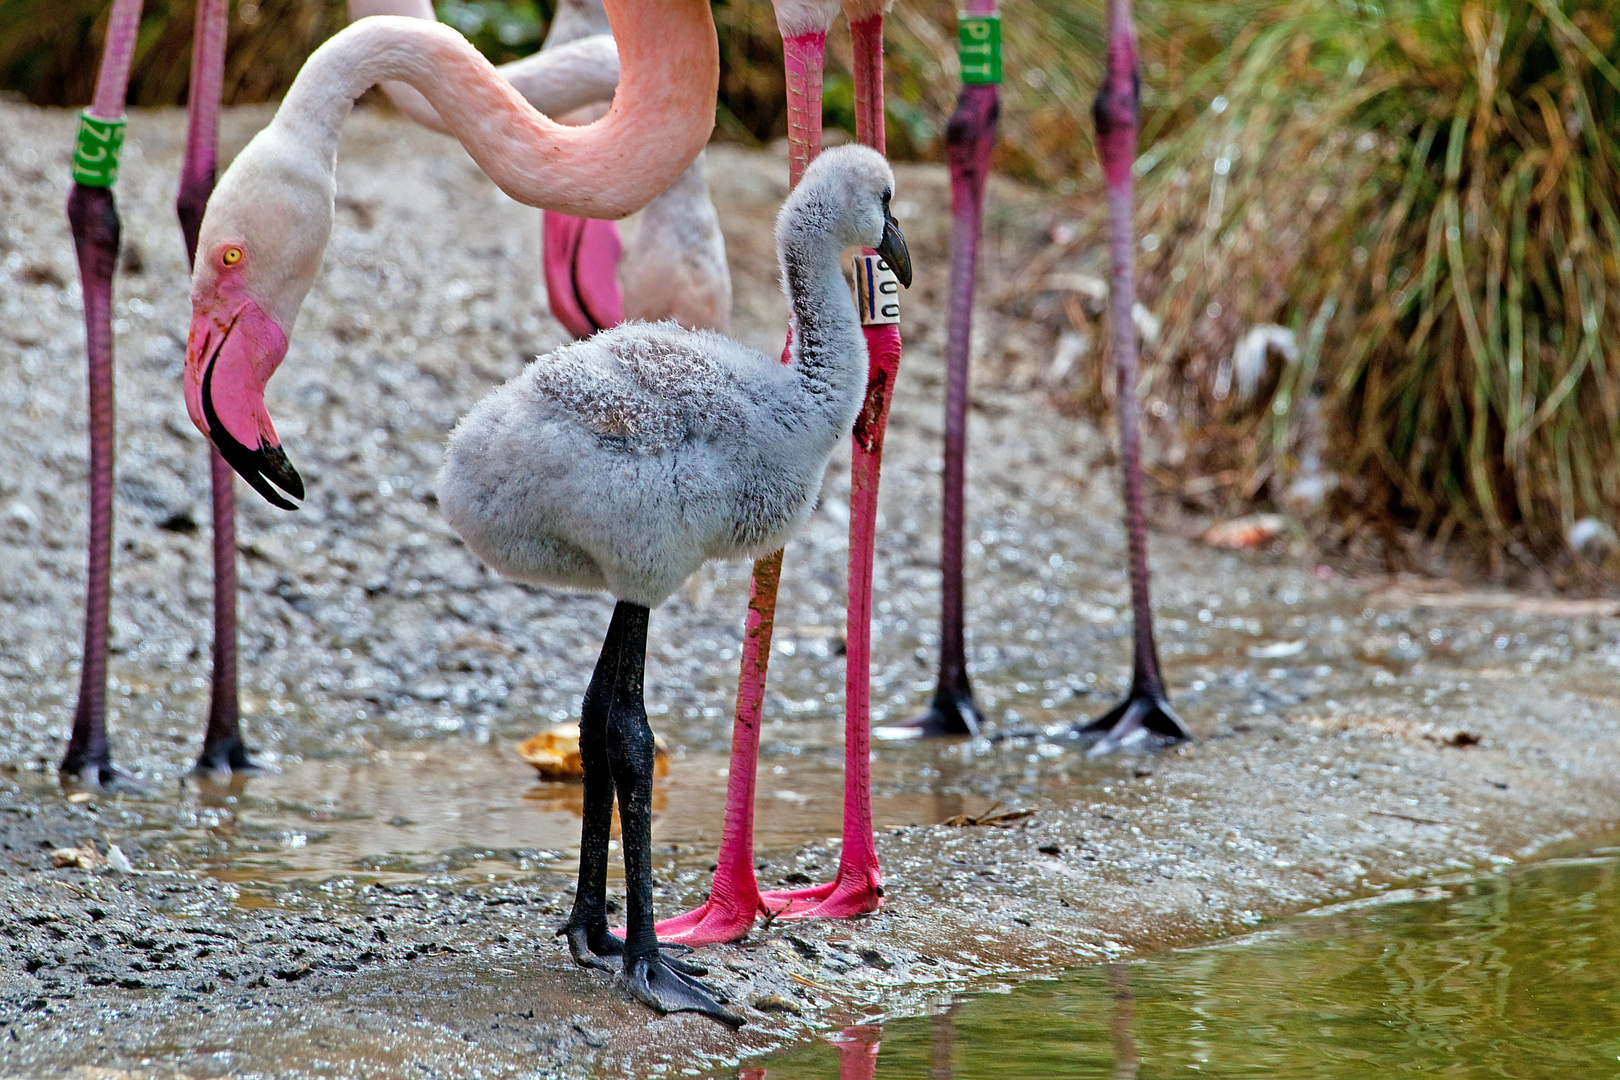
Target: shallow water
[(477, 812), (1512, 974)]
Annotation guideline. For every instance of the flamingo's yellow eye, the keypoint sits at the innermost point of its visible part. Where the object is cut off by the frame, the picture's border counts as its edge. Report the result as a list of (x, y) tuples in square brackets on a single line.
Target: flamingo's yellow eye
[(232, 256)]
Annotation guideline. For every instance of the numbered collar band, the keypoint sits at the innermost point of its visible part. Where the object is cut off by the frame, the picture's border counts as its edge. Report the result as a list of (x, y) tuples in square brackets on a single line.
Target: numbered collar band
[(95, 152), (877, 289), (978, 47)]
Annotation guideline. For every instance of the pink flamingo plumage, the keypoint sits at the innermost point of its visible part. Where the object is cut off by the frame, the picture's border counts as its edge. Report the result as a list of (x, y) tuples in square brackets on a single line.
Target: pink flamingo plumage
[(857, 888), (580, 256), (675, 267), (93, 214)]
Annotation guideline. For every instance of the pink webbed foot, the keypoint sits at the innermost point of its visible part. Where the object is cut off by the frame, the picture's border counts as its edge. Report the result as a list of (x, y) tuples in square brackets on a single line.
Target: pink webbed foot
[(712, 922), (853, 892)]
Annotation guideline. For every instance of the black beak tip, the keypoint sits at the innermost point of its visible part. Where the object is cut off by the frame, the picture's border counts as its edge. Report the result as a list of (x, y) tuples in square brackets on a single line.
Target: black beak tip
[(265, 468), (895, 253), (274, 464), (893, 250), (269, 465)]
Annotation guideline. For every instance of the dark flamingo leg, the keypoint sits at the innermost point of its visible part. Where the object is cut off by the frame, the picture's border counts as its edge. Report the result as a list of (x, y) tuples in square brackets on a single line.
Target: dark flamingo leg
[(857, 888), (734, 899), (93, 215), (581, 261), (1145, 718), (223, 750), (969, 139)]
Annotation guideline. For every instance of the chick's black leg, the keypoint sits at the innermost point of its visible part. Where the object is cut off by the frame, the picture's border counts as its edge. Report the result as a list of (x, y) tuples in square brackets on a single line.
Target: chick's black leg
[(589, 939), (647, 974), (587, 927)]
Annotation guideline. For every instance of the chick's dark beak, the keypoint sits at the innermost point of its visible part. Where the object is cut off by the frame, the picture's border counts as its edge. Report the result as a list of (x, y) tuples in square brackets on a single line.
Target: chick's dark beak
[(893, 249)]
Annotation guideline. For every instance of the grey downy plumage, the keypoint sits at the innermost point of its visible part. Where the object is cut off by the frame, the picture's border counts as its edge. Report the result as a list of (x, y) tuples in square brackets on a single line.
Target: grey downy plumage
[(625, 461)]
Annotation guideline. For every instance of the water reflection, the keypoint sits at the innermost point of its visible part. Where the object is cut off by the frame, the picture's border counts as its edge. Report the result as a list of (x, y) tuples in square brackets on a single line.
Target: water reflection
[(1125, 1060), (455, 806), (1516, 974), (942, 1046)]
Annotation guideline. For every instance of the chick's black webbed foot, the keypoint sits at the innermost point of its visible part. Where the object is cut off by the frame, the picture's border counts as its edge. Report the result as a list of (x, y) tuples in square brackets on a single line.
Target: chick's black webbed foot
[(604, 950), (653, 981), (1145, 720), (582, 948)]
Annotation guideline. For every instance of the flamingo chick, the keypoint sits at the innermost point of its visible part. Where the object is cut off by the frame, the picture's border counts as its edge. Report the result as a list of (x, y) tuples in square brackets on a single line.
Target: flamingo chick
[(626, 461)]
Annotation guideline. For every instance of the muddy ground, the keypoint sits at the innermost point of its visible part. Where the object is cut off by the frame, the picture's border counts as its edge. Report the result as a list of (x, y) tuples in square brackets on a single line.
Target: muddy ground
[(383, 901)]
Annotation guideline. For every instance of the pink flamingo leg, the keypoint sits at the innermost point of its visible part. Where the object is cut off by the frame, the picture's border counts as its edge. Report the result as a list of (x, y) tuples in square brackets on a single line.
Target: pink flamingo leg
[(803, 56), (734, 900), (93, 215), (581, 261), (223, 749), (969, 139), (803, 60), (857, 888), (866, 38), (1145, 718)]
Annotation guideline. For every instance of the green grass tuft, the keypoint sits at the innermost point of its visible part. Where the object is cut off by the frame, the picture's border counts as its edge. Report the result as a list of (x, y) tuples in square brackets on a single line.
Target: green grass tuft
[(1428, 193)]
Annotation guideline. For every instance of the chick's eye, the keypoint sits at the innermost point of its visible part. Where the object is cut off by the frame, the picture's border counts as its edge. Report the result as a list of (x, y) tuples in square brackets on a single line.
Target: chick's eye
[(231, 256)]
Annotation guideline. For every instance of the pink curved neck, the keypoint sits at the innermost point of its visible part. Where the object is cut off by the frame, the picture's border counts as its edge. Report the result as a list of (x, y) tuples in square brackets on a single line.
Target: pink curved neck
[(556, 81), (112, 79), (661, 116)]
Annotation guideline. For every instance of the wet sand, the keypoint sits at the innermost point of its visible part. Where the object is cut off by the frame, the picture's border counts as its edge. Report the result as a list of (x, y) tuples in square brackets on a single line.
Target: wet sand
[(383, 901)]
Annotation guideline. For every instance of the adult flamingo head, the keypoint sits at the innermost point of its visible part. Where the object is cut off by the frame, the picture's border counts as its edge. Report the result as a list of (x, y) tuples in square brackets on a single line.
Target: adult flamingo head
[(257, 256), (267, 223)]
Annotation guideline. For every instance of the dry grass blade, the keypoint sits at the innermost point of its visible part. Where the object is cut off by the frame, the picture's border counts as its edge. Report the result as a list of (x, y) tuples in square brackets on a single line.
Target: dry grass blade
[(991, 817)]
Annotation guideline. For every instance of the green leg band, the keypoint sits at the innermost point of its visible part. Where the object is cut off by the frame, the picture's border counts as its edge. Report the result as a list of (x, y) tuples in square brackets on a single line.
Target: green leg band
[(978, 47), (95, 153)]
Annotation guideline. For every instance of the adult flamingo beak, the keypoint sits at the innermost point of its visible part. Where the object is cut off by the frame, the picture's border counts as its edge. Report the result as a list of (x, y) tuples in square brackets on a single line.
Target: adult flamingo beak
[(232, 351), (893, 249)]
